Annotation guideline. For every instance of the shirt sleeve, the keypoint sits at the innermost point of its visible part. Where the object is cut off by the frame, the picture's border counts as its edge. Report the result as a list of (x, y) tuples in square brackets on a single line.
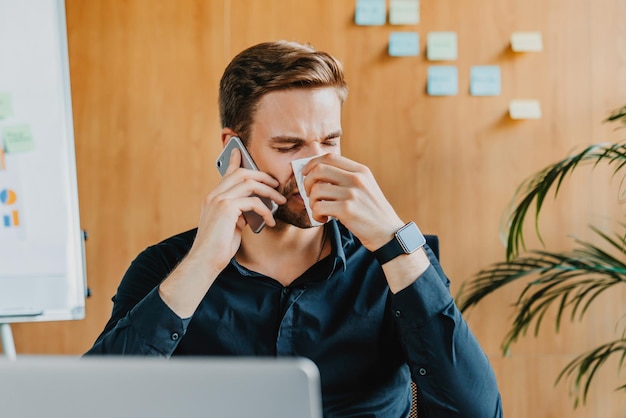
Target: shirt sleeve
[(453, 374), (149, 328), (141, 323)]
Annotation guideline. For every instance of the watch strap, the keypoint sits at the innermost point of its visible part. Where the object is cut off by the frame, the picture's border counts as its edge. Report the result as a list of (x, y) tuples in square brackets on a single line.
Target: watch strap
[(397, 246), (388, 251)]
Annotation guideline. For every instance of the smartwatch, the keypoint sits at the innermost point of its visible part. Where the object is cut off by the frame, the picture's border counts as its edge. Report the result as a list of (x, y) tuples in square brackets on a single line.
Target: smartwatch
[(405, 241)]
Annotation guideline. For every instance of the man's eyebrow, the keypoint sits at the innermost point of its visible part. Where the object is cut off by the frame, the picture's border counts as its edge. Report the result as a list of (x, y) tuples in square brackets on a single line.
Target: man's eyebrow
[(334, 135), (297, 140)]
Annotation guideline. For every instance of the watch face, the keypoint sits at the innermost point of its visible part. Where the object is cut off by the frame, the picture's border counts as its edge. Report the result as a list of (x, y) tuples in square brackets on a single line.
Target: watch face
[(411, 238)]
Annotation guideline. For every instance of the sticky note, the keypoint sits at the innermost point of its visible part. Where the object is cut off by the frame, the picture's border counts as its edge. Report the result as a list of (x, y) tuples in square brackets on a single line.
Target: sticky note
[(404, 44), (485, 80), (17, 138), (370, 12), (6, 107), (404, 12), (526, 42), (524, 109), (443, 80), (441, 46)]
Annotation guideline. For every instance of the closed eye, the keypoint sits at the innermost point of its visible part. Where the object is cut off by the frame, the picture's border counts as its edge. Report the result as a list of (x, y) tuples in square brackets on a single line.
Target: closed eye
[(292, 148)]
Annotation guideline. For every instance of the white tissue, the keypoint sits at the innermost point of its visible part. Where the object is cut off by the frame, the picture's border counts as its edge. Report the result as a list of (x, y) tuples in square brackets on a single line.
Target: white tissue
[(297, 166)]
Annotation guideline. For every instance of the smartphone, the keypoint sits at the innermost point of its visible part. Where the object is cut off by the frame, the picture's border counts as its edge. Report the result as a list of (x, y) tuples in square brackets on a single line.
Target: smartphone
[(253, 219)]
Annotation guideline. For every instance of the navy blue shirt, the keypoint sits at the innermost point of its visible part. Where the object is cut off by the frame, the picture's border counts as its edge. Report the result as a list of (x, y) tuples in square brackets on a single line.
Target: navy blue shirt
[(367, 342)]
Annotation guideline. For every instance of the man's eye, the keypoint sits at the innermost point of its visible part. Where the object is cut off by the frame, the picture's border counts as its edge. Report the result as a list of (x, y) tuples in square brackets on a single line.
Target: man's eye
[(331, 143), (287, 149)]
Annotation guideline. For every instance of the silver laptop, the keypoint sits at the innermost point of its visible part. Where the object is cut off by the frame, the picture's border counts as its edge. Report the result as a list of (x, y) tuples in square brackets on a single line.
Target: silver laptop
[(146, 387)]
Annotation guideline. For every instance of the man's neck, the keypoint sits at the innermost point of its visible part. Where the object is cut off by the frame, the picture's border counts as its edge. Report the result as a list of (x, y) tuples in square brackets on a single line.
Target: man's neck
[(283, 253)]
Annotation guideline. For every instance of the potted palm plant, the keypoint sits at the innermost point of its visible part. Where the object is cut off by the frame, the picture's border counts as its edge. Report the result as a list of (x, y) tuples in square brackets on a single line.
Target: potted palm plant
[(569, 281)]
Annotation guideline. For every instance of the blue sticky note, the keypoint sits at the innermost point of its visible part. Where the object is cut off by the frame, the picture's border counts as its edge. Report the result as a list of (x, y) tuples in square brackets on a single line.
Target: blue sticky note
[(404, 44), (485, 80), (370, 12), (443, 80)]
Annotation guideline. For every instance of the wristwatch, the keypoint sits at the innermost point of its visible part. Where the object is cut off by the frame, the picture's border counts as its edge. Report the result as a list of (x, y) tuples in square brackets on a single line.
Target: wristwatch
[(405, 241)]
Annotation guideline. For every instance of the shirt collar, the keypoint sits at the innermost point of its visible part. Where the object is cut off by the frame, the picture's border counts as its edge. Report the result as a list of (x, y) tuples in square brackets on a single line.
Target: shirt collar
[(340, 239)]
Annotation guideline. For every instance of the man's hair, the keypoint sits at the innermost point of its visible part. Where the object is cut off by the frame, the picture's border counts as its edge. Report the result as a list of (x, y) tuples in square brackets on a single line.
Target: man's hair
[(268, 67)]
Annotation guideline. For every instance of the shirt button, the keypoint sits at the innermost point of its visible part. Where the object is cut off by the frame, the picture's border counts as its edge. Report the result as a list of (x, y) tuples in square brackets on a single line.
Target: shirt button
[(397, 314), (422, 371), (285, 290), (175, 336)]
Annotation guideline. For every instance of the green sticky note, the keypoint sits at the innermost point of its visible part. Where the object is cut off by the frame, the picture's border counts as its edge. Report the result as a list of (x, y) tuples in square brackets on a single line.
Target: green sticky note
[(441, 46), (18, 138), (404, 12), (6, 108)]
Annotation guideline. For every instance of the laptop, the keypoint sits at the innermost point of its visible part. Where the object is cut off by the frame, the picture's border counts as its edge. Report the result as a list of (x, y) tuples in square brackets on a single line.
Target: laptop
[(148, 387)]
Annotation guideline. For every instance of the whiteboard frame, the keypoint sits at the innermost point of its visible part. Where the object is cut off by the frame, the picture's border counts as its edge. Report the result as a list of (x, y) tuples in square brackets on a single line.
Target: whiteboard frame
[(76, 266)]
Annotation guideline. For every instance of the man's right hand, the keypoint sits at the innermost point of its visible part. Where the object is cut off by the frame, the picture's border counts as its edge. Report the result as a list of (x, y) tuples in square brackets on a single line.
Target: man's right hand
[(219, 233)]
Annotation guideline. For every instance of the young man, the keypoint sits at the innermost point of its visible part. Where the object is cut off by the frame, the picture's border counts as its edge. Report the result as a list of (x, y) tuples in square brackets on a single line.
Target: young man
[(361, 296)]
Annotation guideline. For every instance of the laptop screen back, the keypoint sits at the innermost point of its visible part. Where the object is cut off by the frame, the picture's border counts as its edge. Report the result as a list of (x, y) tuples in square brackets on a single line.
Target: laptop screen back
[(138, 387)]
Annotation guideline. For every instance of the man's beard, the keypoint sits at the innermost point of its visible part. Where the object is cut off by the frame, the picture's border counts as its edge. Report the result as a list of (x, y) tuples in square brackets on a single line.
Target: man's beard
[(285, 215)]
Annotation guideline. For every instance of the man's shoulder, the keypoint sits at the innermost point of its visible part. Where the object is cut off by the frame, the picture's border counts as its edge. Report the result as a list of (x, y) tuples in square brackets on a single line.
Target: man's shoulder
[(154, 263), (176, 246), (182, 238)]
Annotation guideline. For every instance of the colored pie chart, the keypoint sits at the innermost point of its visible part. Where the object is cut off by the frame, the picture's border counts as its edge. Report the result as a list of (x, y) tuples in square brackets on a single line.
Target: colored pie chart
[(7, 197)]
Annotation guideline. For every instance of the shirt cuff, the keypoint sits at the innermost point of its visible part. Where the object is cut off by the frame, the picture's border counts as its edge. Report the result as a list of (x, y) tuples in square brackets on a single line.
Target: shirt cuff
[(157, 324), (426, 297)]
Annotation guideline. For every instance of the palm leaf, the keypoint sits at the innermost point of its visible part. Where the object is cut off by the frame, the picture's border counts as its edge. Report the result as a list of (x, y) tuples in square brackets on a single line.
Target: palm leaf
[(616, 115), (583, 368), (567, 281), (535, 189), (547, 270)]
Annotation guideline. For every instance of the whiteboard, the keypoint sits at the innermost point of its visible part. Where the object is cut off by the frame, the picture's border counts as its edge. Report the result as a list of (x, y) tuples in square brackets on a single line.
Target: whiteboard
[(42, 272)]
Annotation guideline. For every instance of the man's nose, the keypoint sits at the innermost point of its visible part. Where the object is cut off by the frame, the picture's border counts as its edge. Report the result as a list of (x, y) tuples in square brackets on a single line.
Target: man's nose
[(314, 148)]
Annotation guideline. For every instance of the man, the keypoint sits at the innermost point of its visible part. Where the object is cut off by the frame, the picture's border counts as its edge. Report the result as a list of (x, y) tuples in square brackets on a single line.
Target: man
[(370, 313)]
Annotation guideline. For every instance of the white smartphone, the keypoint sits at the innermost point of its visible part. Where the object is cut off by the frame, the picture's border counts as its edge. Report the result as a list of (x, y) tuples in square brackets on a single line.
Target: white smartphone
[(253, 219)]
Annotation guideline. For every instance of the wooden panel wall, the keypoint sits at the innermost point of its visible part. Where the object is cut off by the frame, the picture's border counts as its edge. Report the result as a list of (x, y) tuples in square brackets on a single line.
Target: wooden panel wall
[(144, 78)]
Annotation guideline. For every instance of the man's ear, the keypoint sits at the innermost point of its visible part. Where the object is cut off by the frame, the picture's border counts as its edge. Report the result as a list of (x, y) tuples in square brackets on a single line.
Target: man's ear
[(226, 134)]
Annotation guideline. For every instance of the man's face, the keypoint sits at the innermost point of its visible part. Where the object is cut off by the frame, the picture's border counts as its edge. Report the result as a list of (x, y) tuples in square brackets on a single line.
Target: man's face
[(293, 124)]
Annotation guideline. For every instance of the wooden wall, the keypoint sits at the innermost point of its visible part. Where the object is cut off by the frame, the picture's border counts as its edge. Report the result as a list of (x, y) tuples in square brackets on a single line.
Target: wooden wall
[(144, 85)]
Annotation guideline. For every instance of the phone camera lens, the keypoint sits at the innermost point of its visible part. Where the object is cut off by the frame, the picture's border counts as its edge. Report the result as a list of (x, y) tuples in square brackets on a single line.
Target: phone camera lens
[(219, 163)]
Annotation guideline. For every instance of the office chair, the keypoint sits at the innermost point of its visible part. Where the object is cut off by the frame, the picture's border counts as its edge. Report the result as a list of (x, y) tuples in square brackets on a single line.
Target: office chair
[(433, 243)]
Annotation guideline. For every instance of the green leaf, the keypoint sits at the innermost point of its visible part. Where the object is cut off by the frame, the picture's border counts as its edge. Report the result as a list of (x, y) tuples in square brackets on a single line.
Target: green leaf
[(583, 368), (533, 190)]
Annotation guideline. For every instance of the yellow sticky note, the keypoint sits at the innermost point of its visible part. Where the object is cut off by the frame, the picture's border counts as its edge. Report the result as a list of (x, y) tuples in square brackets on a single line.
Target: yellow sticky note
[(441, 46), (524, 109), (526, 42), (404, 12), (18, 138), (6, 108)]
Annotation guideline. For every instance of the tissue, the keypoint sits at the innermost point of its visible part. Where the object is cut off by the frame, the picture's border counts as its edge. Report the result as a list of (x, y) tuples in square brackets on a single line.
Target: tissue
[(297, 166)]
